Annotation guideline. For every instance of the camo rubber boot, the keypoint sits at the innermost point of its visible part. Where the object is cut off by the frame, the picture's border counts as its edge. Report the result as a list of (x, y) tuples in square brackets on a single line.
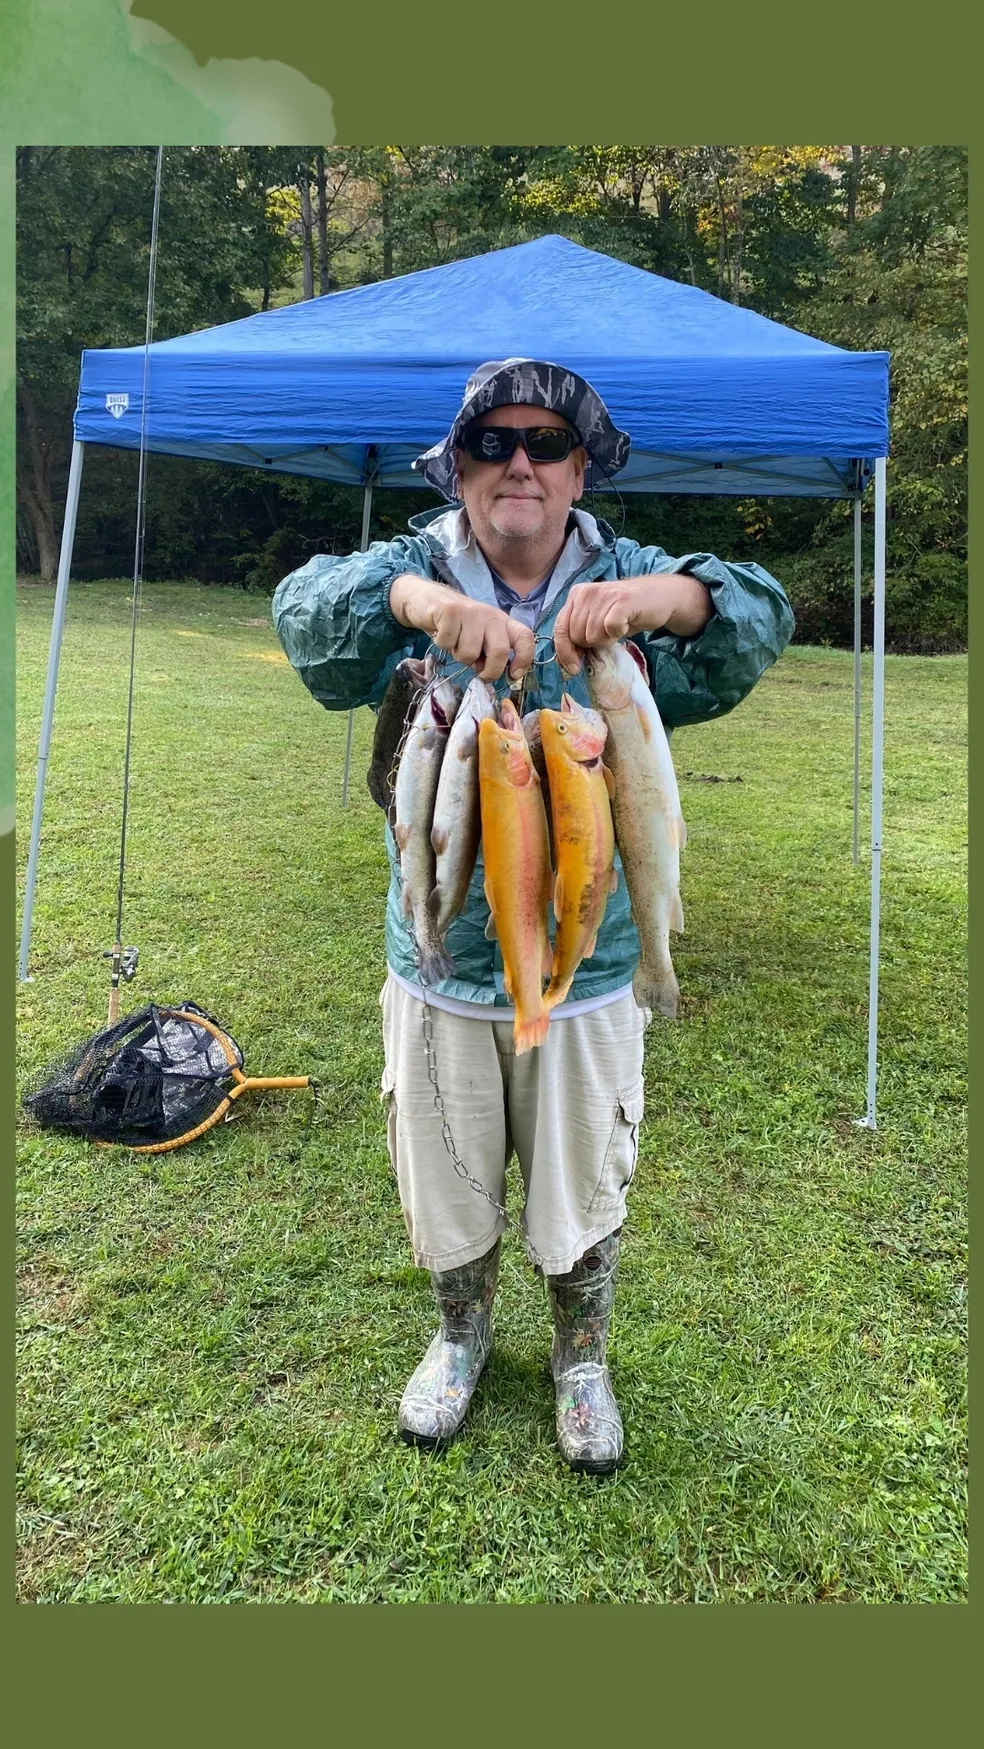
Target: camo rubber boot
[(589, 1426), (436, 1400)]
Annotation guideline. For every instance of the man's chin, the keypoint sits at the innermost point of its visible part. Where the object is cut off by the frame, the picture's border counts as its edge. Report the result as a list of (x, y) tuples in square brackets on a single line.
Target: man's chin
[(517, 525)]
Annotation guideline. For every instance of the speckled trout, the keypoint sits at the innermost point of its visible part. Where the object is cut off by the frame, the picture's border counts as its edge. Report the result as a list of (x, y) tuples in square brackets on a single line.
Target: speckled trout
[(457, 826), (416, 790), (517, 869), (649, 828), (583, 835)]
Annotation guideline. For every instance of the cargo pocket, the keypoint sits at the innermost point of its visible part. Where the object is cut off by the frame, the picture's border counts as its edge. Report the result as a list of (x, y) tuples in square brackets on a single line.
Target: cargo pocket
[(623, 1148), (387, 1099)]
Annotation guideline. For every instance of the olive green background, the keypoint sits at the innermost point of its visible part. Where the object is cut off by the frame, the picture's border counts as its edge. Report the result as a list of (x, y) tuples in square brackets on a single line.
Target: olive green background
[(69, 73)]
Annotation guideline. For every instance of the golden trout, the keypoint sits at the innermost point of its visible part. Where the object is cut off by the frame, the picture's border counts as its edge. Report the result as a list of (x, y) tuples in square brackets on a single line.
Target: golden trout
[(583, 835), (649, 828), (517, 869), (413, 799)]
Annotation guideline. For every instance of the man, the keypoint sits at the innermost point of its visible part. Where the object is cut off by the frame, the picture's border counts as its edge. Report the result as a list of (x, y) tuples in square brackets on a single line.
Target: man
[(504, 583)]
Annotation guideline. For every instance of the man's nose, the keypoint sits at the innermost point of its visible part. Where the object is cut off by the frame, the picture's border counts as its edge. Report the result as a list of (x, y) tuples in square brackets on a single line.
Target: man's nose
[(520, 464)]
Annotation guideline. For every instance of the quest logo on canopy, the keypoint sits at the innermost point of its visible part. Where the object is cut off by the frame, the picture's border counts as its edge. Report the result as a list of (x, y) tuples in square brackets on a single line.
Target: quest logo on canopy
[(117, 405)]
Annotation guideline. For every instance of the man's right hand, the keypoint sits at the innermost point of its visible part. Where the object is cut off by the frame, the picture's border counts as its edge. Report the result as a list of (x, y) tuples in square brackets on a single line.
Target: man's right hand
[(473, 633)]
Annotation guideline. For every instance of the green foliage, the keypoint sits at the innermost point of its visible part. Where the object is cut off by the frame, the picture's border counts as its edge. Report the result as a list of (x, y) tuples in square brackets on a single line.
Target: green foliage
[(213, 1343), (863, 246)]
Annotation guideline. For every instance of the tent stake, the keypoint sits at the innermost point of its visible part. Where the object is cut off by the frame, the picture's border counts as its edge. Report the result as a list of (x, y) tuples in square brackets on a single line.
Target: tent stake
[(48, 708), (857, 672), (363, 547), (877, 764)]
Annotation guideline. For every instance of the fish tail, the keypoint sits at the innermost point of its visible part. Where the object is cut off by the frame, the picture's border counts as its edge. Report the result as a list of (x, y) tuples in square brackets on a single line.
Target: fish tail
[(655, 987), (436, 964), (527, 1033)]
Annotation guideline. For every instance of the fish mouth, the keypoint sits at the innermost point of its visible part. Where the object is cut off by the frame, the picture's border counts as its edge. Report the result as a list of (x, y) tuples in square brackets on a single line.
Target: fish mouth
[(440, 714)]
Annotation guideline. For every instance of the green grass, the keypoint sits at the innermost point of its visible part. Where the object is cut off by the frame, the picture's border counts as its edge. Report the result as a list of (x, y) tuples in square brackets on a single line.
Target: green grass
[(213, 1343)]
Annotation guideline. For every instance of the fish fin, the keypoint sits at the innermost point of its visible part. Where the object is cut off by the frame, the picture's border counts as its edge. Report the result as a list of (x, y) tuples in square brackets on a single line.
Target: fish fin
[(433, 901), (644, 723), (491, 933), (655, 987), (613, 883), (439, 840), (676, 831), (558, 896), (589, 950), (528, 1033), (610, 784), (406, 903), (507, 983), (676, 914), (556, 992), (401, 833)]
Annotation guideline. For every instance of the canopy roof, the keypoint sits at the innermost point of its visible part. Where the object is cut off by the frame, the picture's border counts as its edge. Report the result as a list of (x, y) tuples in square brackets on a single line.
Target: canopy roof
[(355, 384)]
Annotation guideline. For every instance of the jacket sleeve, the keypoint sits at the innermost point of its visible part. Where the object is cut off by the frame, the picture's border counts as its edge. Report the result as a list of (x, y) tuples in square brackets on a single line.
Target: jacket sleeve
[(333, 619), (694, 679)]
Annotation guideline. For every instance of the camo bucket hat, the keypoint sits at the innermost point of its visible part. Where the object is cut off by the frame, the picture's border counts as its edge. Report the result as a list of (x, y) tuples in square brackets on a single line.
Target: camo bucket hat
[(529, 382)]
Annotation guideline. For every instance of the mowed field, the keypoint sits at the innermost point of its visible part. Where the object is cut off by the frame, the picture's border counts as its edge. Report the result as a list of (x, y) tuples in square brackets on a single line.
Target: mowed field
[(213, 1343)]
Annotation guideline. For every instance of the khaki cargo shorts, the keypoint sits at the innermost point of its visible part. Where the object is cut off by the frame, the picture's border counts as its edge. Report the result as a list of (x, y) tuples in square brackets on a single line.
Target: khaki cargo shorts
[(570, 1110)]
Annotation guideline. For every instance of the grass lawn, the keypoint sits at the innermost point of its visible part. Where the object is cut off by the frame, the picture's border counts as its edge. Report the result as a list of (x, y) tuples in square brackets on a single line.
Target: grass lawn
[(214, 1342)]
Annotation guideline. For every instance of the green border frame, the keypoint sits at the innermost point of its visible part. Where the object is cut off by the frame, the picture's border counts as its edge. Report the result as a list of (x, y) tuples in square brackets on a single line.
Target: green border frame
[(888, 1674)]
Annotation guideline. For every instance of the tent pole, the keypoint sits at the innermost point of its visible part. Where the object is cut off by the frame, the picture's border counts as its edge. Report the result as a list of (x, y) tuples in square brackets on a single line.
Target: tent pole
[(857, 671), (877, 762), (363, 547), (48, 708)]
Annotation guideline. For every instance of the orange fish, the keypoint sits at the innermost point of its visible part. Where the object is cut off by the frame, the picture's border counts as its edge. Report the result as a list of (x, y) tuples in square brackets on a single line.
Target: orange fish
[(584, 837), (517, 869)]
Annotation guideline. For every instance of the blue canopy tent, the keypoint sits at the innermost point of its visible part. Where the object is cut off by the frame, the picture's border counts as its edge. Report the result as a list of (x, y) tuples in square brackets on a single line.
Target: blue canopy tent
[(352, 386)]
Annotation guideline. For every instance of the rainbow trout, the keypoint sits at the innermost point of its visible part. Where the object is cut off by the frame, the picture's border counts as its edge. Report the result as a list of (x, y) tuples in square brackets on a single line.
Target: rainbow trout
[(457, 826), (416, 790), (584, 838), (649, 828), (517, 869)]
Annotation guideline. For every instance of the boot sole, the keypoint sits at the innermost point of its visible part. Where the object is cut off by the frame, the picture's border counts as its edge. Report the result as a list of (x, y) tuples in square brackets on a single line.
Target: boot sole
[(427, 1441), (585, 1468)]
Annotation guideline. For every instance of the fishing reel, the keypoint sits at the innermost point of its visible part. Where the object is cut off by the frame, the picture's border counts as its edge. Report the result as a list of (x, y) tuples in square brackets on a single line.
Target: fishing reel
[(129, 960)]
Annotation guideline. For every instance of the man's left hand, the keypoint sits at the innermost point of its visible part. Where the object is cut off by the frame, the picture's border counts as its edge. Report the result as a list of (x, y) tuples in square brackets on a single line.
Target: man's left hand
[(597, 614)]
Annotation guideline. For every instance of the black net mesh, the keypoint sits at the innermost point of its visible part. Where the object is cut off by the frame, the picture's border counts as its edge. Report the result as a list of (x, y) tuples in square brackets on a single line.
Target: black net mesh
[(152, 1077)]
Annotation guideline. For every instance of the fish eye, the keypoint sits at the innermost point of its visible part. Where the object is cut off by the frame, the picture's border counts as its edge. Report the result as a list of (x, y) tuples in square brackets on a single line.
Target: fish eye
[(561, 728)]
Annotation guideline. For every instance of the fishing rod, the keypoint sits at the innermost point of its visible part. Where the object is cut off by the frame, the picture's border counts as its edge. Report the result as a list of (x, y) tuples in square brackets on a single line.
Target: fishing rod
[(124, 959)]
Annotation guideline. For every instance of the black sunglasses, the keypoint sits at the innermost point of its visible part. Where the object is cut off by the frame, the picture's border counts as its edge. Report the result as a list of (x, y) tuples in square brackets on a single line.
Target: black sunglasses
[(496, 443)]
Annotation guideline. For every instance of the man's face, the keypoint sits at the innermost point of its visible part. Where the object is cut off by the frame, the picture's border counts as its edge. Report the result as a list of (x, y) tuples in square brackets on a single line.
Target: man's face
[(519, 499)]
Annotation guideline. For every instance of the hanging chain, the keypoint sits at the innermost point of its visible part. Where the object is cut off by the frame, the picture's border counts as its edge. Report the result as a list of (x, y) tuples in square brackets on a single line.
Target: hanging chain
[(439, 1106)]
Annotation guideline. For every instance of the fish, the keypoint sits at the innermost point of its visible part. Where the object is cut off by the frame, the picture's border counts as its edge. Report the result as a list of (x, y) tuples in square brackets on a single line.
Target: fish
[(517, 869), (416, 790), (531, 729), (407, 679), (649, 827), (581, 790), (457, 827)]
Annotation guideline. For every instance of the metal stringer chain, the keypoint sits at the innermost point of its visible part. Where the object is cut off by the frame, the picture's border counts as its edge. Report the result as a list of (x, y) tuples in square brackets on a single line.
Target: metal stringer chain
[(430, 1053)]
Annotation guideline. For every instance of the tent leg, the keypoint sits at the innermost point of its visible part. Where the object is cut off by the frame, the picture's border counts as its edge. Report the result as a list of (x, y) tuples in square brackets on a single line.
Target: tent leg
[(363, 547), (857, 672), (877, 765), (48, 709)]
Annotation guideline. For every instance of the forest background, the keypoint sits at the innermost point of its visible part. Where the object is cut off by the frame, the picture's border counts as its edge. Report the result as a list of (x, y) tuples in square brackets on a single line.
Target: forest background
[(863, 246)]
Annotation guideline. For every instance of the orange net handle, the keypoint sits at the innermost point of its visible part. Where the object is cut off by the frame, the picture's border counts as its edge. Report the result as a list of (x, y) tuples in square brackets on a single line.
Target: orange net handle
[(269, 1081)]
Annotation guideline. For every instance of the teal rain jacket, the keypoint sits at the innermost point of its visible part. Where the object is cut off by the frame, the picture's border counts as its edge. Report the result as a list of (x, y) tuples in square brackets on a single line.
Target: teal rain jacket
[(333, 620)]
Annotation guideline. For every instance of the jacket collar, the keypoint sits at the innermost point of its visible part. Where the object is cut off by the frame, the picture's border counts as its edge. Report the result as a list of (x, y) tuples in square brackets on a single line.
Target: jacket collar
[(455, 550)]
